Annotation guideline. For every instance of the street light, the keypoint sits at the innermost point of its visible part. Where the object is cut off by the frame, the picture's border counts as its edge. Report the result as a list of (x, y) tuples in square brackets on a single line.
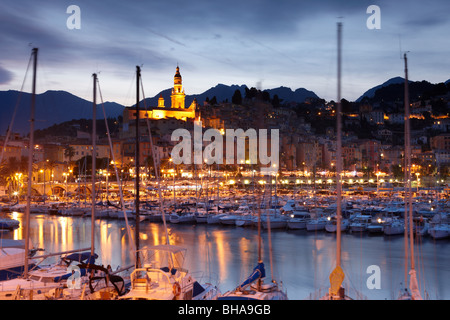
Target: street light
[(65, 174), (377, 174), (173, 174), (418, 181)]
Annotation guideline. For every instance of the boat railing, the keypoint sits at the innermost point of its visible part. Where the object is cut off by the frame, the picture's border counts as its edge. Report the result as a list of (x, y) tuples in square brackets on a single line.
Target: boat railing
[(146, 278)]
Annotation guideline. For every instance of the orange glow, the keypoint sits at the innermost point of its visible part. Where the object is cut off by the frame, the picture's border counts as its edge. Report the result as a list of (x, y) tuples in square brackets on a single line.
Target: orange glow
[(222, 248)]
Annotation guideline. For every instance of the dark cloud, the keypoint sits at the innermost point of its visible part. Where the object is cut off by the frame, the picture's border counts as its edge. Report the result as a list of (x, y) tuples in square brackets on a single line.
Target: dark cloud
[(278, 37), (5, 76)]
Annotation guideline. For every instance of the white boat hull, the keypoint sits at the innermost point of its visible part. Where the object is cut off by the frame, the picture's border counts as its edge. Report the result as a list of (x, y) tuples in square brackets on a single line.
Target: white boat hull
[(358, 227), (214, 219), (201, 218), (440, 232), (296, 224), (316, 225), (374, 229), (275, 224), (174, 218), (228, 220), (243, 222), (394, 229)]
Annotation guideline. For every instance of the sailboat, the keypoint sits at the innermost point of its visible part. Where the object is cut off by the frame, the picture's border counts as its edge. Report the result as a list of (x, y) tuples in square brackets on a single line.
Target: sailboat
[(23, 287), (253, 287), (159, 272), (336, 290), (405, 294), (76, 269)]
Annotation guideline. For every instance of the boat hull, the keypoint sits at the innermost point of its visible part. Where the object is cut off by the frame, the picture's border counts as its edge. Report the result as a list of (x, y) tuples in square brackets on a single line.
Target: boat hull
[(439, 232), (394, 229), (296, 224)]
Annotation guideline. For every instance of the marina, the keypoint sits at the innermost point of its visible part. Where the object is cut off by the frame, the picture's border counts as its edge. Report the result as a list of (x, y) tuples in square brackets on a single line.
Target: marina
[(225, 254), (169, 228)]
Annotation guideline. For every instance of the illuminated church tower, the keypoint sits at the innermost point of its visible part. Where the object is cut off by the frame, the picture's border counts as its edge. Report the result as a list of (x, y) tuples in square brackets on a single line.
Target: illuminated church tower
[(178, 95), (177, 109)]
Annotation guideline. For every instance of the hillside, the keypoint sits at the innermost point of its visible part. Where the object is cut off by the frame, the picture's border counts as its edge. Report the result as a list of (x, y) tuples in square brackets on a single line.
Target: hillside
[(52, 107)]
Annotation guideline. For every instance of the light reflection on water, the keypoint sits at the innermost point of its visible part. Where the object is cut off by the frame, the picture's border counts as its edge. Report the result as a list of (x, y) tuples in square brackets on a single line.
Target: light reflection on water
[(226, 255)]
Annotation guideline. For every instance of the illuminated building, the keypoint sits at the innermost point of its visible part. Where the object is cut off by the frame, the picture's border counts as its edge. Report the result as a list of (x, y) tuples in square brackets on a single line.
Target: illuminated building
[(177, 109)]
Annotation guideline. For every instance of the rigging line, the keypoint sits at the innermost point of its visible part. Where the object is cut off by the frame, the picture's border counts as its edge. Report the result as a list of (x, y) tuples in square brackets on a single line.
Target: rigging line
[(119, 182), (420, 268), (155, 165), (8, 133)]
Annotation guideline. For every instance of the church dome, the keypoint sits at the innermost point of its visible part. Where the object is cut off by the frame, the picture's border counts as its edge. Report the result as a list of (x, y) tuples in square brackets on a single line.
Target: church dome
[(177, 74)]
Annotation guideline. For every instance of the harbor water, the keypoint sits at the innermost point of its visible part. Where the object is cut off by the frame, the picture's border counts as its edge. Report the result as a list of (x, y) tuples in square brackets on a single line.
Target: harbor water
[(225, 255)]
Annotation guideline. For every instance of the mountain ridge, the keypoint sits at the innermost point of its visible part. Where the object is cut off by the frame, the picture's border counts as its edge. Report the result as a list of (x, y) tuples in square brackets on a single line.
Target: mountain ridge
[(57, 106)]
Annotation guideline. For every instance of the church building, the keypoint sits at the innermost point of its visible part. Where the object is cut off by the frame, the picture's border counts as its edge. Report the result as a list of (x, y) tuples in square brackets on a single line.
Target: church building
[(177, 109)]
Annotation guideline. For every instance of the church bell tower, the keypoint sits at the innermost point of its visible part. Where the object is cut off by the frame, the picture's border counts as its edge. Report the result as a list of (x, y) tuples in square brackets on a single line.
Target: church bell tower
[(178, 94)]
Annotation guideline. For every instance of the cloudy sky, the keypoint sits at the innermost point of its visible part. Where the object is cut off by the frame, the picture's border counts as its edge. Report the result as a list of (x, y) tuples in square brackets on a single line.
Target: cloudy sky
[(261, 43)]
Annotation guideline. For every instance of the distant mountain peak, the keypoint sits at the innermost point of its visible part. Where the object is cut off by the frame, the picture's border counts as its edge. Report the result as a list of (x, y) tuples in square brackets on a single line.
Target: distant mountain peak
[(371, 92)]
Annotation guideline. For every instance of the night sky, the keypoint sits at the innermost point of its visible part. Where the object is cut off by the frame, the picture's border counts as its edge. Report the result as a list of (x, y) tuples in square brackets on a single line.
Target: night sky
[(260, 43)]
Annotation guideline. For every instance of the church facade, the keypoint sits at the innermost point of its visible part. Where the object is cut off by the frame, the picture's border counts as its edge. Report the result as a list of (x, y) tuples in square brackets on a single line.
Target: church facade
[(177, 109)]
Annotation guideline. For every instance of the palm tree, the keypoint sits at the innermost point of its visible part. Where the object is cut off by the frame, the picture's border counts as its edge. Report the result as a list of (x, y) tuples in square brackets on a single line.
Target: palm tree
[(4, 172), (149, 165), (69, 152)]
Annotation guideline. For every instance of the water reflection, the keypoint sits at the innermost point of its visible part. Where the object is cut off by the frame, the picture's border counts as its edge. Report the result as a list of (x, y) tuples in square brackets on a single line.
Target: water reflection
[(303, 260)]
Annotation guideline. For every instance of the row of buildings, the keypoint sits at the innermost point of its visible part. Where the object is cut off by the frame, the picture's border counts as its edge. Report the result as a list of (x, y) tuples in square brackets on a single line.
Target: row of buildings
[(301, 149)]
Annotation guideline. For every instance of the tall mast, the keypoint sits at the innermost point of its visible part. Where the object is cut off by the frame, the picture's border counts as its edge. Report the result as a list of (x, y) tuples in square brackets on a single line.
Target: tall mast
[(94, 156), (338, 150), (407, 167), (337, 275), (408, 157), (138, 76), (413, 284), (30, 162)]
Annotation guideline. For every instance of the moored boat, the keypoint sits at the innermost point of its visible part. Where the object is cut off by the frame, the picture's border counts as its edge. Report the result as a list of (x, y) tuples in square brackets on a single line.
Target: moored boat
[(163, 277), (298, 219), (316, 224)]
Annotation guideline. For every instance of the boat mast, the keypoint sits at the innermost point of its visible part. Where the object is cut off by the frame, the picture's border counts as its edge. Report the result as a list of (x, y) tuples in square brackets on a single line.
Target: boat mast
[(408, 195), (337, 275), (30, 162), (408, 157), (138, 76), (94, 156), (338, 150)]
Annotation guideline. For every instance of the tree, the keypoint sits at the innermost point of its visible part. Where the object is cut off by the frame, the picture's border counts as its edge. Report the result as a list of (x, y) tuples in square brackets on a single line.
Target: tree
[(276, 101), (251, 93), (213, 101), (150, 165), (397, 171), (237, 97), (265, 96), (69, 152)]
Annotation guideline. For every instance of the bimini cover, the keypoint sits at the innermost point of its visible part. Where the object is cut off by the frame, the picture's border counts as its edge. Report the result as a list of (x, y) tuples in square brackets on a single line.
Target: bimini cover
[(83, 257), (258, 273)]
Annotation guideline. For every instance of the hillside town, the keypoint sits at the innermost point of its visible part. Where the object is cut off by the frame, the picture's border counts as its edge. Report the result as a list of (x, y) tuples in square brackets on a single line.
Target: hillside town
[(373, 141)]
